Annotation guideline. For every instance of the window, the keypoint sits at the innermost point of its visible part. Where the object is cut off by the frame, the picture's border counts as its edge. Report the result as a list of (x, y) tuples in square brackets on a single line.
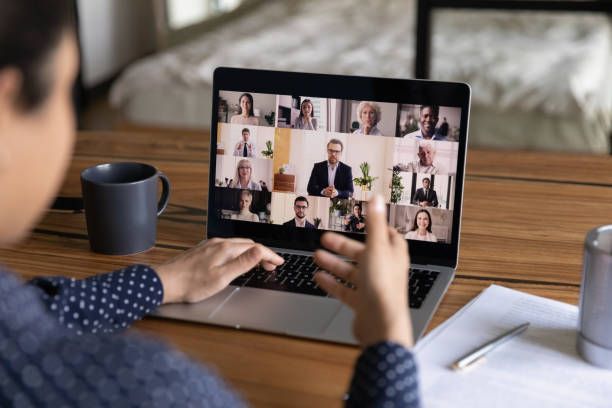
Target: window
[(185, 13)]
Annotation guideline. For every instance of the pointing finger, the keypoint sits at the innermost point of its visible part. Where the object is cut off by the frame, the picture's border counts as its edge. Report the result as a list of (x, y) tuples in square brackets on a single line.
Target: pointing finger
[(377, 222)]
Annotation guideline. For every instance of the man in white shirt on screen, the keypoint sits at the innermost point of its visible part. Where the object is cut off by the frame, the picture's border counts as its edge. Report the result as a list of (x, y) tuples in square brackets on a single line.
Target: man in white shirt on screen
[(428, 119), (244, 148), (425, 162)]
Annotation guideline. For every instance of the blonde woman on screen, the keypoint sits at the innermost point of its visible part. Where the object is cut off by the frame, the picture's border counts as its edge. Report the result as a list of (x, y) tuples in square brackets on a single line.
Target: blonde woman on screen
[(421, 228), (245, 214), (243, 176), (246, 115), (368, 115)]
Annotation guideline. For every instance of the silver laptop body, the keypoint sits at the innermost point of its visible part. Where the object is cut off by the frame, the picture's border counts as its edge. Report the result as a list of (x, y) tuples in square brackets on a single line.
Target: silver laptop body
[(319, 317)]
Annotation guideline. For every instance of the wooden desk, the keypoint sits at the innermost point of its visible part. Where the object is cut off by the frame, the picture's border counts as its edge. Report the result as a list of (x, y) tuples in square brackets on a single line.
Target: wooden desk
[(525, 217)]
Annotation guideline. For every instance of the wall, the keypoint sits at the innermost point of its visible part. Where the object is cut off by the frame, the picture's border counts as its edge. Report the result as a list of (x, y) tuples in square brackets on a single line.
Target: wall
[(113, 33), (371, 149), (282, 147)]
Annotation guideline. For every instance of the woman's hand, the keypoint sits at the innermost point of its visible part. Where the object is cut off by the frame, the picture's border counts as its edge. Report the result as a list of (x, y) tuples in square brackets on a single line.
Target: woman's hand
[(210, 266), (380, 297)]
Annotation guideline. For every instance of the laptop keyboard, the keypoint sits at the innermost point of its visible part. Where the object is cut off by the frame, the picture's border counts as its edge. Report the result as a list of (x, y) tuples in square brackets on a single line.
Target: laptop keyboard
[(420, 283), (297, 275)]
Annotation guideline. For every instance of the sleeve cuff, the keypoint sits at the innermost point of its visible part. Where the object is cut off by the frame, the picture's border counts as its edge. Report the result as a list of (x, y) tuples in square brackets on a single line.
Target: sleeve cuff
[(103, 303), (385, 373)]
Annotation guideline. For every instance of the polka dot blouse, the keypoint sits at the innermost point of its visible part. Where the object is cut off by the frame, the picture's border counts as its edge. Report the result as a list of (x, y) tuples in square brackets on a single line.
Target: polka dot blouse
[(57, 349)]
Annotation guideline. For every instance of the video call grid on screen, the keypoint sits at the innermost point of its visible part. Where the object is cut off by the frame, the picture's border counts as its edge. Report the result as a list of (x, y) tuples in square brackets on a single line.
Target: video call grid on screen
[(273, 163)]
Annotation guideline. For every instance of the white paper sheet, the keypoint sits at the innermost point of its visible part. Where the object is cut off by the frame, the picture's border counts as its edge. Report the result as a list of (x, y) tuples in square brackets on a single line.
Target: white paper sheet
[(540, 368)]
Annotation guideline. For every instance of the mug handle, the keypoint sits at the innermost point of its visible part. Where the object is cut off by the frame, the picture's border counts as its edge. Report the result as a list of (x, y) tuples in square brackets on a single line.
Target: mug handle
[(163, 201)]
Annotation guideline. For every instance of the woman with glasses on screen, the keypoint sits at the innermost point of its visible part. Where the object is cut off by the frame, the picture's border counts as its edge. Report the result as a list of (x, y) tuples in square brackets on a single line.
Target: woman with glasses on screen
[(243, 176), (305, 121), (246, 115), (421, 227)]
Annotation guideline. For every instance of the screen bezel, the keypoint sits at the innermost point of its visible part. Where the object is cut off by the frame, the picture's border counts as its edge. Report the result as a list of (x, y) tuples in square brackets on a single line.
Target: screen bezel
[(402, 91)]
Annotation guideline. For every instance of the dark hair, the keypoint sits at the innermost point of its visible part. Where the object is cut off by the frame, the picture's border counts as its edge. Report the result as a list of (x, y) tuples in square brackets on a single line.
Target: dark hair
[(246, 130), (301, 198), (250, 97), (302, 104), (434, 108), (357, 205), (30, 30), (426, 178), (336, 141), (414, 224)]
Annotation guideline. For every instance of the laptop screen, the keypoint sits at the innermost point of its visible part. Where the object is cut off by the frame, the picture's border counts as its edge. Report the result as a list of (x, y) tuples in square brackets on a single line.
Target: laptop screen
[(298, 164)]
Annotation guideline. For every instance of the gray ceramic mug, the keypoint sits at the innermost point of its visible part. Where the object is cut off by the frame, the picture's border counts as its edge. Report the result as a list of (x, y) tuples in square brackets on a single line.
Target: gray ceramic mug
[(595, 317), (121, 207)]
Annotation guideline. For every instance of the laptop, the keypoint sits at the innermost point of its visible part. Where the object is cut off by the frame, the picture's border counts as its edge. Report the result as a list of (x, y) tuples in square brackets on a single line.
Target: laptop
[(296, 154)]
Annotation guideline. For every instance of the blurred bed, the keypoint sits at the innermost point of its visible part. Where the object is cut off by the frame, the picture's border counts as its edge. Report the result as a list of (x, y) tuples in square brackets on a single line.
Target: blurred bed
[(539, 81)]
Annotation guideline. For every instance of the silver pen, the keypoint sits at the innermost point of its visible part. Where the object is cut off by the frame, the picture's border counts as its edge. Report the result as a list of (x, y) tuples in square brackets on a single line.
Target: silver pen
[(479, 353)]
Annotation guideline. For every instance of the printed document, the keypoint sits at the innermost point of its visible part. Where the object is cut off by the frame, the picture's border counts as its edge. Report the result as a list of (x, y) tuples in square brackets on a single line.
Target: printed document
[(540, 368)]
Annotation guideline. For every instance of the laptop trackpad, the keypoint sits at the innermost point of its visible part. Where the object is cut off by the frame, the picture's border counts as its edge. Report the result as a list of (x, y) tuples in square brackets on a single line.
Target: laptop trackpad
[(291, 313)]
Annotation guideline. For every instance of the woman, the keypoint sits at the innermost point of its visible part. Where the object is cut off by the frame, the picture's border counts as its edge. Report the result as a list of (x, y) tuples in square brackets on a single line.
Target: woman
[(53, 351), (242, 178), (245, 214), (246, 115), (421, 227), (305, 120), (368, 114)]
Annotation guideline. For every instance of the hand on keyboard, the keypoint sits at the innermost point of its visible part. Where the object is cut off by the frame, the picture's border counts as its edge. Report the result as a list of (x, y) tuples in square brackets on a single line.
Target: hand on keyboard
[(380, 278), (205, 269)]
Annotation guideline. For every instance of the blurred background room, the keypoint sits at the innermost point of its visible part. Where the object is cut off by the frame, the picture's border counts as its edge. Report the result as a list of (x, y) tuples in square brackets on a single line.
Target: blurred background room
[(540, 78)]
